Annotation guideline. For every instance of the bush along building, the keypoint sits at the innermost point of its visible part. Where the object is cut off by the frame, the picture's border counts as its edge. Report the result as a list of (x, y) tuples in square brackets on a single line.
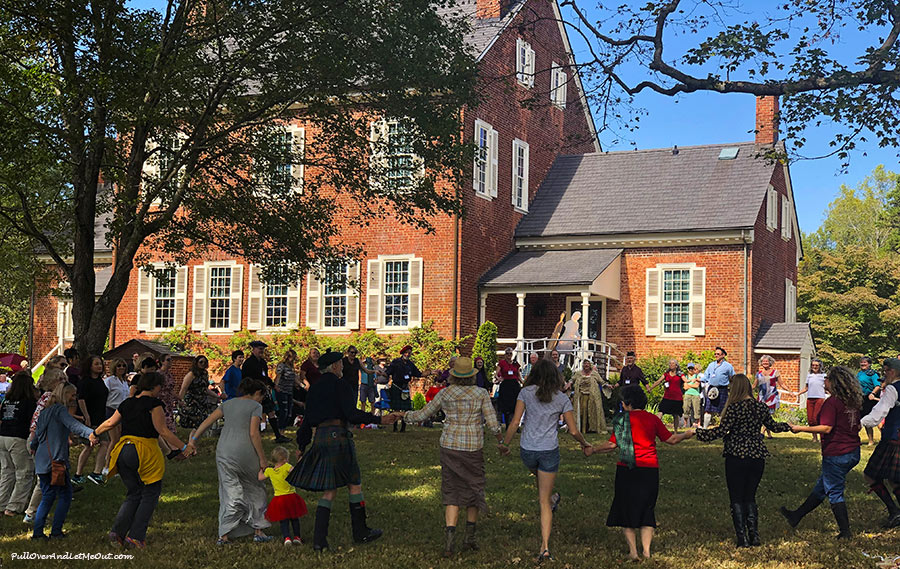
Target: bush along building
[(668, 250)]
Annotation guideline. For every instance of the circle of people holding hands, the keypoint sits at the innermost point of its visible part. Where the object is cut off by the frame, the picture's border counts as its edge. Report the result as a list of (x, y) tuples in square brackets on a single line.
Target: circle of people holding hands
[(128, 418)]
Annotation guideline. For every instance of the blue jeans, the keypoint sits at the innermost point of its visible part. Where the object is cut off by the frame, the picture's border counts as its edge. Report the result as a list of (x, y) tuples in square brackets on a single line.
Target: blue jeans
[(49, 494), (543, 460), (285, 408), (834, 476)]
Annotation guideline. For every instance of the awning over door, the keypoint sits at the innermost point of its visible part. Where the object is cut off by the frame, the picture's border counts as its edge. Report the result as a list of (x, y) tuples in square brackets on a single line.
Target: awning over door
[(597, 271)]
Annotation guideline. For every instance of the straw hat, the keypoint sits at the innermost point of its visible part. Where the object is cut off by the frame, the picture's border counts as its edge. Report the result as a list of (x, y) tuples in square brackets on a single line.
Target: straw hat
[(463, 368)]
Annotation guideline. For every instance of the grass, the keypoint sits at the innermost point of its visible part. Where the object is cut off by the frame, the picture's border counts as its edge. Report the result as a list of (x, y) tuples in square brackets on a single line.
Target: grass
[(401, 480)]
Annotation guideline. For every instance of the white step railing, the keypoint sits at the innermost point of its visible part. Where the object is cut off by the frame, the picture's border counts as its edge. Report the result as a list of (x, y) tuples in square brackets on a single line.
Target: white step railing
[(605, 356), (57, 349)]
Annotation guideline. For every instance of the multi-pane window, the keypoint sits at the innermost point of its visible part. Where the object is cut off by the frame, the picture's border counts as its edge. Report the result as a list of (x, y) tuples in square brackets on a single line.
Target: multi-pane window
[(558, 82), (164, 299), (676, 301), (482, 139), (167, 150), (524, 63), (334, 298), (402, 162), (520, 175), (276, 305), (396, 293), (219, 298), (282, 152)]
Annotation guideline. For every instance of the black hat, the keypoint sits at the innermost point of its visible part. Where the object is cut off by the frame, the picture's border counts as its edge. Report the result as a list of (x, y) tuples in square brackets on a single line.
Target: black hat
[(721, 349), (629, 354), (329, 358), (258, 344)]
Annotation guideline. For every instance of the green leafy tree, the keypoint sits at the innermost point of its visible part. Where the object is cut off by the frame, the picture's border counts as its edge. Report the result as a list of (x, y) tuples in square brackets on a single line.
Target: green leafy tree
[(486, 346), (163, 130)]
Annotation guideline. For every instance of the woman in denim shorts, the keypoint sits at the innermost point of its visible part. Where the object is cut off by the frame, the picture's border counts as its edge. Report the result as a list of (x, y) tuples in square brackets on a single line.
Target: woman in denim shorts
[(539, 444)]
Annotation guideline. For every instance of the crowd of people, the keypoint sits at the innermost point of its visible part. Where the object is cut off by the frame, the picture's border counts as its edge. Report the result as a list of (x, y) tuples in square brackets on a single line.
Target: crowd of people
[(125, 416)]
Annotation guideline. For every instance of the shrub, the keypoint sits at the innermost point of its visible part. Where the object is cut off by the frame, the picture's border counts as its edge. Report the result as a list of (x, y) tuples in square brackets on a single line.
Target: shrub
[(791, 414), (181, 339), (486, 346), (418, 401)]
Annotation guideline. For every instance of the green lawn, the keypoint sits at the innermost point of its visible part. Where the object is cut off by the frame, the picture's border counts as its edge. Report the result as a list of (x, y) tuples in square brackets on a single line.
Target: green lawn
[(401, 480)]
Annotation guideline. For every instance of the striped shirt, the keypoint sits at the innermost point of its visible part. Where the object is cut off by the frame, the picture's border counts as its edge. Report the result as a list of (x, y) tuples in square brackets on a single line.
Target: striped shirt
[(468, 408)]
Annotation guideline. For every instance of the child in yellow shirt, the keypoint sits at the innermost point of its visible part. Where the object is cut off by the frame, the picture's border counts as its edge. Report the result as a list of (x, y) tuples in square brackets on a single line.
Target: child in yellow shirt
[(287, 507)]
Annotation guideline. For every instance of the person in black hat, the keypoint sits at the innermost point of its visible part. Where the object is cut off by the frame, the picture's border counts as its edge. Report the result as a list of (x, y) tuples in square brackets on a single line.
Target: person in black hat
[(331, 461), (631, 374), (256, 367), (401, 371)]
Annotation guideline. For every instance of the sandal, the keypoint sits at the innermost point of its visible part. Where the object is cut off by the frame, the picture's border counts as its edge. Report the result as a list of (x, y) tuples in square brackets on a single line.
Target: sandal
[(543, 556), (555, 499), (222, 541)]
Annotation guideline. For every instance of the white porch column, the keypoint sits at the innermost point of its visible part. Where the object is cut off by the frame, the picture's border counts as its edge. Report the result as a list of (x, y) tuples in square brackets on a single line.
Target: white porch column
[(520, 326), (585, 311), (482, 307)]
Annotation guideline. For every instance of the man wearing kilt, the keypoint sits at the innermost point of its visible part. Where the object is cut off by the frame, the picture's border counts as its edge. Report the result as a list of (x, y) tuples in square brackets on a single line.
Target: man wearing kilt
[(884, 464), (331, 461)]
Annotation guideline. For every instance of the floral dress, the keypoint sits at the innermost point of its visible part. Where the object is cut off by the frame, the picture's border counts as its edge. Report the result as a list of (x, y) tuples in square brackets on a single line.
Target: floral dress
[(197, 403)]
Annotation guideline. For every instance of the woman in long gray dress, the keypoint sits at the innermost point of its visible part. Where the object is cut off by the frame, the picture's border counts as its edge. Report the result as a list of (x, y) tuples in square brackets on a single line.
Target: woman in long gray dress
[(239, 460)]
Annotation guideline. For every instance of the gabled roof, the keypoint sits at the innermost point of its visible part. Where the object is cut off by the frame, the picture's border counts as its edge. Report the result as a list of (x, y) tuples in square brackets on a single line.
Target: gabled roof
[(783, 336), (483, 30), (553, 267), (140, 346), (647, 191)]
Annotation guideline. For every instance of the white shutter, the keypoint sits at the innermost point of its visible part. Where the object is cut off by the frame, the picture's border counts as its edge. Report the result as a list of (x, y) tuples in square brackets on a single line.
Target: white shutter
[(520, 69), (653, 303), (181, 282), (293, 306), (145, 299), (785, 217), (562, 83), (255, 300), (373, 294), (313, 300), (525, 169), (494, 163), (198, 309), (353, 296), (698, 302), (298, 149), (771, 208), (529, 66), (237, 297), (415, 293)]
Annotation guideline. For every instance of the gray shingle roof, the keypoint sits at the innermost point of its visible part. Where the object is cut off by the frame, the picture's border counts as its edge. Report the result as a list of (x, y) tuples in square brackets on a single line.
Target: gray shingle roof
[(554, 267), (102, 279), (782, 336), (484, 30), (649, 191)]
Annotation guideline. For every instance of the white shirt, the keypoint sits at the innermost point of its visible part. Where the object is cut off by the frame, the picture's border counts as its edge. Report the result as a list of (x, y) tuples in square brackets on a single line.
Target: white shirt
[(815, 384), (882, 408), (118, 391)]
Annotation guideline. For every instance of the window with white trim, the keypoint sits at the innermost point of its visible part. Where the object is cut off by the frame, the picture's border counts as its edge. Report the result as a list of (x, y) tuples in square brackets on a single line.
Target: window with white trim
[(484, 179), (771, 209), (394, 292), (394, 164), (520, 152), (559, 81), (164, 299), (274, 304), (219, 298), (524, 63), (276, 295), (676, 300), (280, 169), (786, 218), (334, 298), (162, 154)]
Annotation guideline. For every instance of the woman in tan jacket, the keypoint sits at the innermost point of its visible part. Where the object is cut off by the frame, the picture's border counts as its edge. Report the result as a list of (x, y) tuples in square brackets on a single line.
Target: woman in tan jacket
[(587, 400)]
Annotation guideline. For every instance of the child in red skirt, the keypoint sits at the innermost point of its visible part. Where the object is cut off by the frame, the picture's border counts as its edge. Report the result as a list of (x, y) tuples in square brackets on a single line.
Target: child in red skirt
[(287, 506)]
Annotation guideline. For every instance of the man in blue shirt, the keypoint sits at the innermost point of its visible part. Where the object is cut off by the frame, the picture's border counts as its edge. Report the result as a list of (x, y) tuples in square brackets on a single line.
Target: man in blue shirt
[(232, 377), (717, 378)]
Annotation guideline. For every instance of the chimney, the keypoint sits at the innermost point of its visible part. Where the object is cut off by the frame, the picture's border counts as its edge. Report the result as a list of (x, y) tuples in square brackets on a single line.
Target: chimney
[(487, 9), (766, 120)]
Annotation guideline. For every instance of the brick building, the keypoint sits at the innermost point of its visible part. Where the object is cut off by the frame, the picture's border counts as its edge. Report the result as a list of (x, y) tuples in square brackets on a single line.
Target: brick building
[(552, 225)]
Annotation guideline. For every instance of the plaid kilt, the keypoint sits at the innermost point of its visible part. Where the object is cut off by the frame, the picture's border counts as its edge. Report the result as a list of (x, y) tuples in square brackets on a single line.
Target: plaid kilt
[(330, 462), (884, 464)]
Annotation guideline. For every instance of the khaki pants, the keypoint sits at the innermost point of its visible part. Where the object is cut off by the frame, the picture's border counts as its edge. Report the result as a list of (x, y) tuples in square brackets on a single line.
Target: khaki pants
[(584, 401), (692, 408), (16, 474)]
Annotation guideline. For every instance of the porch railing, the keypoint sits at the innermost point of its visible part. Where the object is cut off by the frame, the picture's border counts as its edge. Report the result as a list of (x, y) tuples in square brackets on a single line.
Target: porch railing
[(605, 356), (57, 349)]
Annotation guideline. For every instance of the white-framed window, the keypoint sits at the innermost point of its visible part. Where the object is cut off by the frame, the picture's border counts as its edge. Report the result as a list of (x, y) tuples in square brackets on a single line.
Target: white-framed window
[(524, 63), (786, 218), (520, 166), (772, 208), (272, 305), (162, 298), (394, 292), (676, 300), (790, 301), (332, 298), (280, 171), (162, 153), (394, 164), (559, 82), (485, 171), (218, 297)]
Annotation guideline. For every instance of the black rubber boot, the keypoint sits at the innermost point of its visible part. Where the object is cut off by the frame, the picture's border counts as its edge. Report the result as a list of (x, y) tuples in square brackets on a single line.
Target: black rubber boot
[(843, 519), (469, 542), (402, 426), (882, 492), (449, 537), (751, 514), (320, 533), (793, 517), (361, 532), (740, 528), (395, 427)]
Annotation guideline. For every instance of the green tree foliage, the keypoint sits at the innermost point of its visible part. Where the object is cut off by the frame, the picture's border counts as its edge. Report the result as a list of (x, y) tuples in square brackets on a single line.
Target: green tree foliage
[(180, 113), (486, 346)]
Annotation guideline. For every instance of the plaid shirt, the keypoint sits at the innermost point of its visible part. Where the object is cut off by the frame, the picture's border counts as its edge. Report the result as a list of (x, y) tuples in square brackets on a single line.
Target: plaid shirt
[(468, 408)]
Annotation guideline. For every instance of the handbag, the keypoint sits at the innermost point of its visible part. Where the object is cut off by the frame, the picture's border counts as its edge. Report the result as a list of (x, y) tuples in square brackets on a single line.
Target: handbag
[(58, 469)]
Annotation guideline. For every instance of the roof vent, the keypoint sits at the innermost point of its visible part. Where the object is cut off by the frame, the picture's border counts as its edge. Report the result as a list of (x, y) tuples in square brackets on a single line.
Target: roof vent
[(729, 153)]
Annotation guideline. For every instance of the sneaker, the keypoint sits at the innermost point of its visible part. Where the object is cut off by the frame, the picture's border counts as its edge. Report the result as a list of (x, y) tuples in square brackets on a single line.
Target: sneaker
[(115, 539), (297, 540), (77, 479), (135, 543), (287, 541), (105, 471), (262, 538), (28, 519), (223, 542), (96, 478)]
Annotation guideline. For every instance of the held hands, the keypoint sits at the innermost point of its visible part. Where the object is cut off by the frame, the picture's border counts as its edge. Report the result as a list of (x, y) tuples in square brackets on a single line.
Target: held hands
[(392, 417), (95, 440), (689, 434), (504, 450), (588, 450)]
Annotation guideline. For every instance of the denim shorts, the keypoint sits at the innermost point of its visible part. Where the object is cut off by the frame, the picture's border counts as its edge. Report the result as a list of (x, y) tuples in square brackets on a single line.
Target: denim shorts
[(543, 460)]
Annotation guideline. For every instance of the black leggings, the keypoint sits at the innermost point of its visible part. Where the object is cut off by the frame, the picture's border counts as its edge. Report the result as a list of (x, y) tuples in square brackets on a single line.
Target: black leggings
[(287, 525), (742, 476)]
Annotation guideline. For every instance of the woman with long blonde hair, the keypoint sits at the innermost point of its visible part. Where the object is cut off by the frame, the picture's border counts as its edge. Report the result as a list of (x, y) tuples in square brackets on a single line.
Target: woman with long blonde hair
[(839, 426), (745, 454)]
